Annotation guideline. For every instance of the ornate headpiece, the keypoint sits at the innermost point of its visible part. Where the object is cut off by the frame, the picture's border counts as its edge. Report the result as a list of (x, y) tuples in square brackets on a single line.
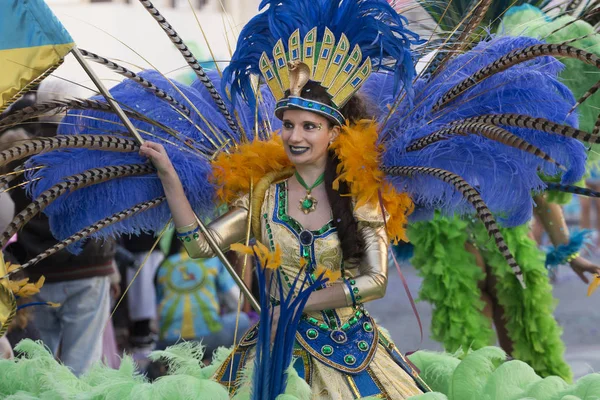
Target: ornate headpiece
[(337, 69), (336, 43)]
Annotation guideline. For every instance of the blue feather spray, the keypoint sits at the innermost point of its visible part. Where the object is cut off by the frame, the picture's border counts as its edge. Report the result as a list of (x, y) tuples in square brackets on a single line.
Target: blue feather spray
[(196, 140), (504, 176), (272, 360), (374, 25)]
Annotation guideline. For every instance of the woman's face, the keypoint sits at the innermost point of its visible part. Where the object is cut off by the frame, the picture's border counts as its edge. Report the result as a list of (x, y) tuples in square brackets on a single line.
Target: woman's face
[(306, 137)]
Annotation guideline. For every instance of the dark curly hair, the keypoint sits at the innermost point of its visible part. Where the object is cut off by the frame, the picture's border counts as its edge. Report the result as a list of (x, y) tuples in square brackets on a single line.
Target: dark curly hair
[(343, 217)]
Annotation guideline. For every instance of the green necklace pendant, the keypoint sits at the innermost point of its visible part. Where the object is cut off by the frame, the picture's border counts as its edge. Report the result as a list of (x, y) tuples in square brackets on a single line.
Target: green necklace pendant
[(309, 204)]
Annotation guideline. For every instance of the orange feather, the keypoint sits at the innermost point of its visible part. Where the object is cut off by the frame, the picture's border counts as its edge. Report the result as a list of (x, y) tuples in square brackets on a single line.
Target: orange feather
[(232, 173), (359, 155)]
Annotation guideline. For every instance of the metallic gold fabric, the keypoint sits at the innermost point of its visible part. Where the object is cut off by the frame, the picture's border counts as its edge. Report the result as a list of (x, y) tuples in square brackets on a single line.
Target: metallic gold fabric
[(370, 276), (371, 273), (226, 230)]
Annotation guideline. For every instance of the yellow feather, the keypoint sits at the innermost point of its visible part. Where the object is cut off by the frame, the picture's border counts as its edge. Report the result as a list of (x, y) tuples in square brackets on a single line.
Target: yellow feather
[(240, 248), (594, 285), (232, 173), (359, 155)]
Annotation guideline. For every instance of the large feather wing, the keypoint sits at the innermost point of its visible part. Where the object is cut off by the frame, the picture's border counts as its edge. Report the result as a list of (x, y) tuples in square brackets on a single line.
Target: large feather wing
[(504, 176), (190, 142)]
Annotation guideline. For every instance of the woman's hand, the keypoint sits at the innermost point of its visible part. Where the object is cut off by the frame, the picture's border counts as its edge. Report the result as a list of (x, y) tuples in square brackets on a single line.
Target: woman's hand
[(157, 154), (581, 265)]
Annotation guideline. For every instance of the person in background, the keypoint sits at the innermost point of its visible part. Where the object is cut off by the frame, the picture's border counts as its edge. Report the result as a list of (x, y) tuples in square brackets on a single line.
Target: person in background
[(141, 297), (198, 300), (79, 283)]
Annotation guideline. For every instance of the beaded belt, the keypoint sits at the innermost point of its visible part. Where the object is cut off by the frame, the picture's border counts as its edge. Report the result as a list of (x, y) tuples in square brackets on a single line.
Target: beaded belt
[(349, 349)]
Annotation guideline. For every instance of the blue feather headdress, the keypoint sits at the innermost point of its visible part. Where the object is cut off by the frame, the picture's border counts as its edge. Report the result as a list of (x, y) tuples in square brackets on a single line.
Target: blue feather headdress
[(504, 176), (379, 32), (190, 142)]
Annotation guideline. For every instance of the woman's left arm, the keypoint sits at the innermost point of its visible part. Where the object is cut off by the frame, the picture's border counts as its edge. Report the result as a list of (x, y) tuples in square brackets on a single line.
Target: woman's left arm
[(552, 218), (371, 280)]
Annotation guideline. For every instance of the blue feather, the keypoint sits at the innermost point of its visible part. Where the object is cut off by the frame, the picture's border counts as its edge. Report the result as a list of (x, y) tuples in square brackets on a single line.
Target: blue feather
[(504, 176), (559, 255), (272, 360), (403, 251), (380, 32), (86, 206)]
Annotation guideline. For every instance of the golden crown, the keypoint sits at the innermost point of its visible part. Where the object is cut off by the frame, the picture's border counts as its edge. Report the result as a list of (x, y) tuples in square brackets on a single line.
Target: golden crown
[(329, 63)]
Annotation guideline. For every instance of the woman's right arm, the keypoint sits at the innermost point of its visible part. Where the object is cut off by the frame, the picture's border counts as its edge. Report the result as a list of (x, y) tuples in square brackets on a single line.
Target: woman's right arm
[(226, 230)]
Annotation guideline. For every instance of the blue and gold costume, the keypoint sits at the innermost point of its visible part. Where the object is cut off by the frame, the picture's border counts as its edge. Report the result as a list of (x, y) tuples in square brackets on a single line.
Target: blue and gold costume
[(470, 137), (340, 352)]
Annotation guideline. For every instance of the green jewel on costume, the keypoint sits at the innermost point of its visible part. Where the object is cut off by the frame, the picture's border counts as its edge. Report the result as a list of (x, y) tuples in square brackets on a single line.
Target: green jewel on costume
[(308, 203)]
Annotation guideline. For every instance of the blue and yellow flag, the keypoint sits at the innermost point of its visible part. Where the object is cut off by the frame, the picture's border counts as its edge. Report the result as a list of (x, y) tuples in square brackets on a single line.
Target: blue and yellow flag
[(32, 43)]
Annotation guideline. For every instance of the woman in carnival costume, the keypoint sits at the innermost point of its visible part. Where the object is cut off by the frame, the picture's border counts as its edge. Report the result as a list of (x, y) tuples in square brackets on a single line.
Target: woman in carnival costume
[(455, 256), (323, 198)]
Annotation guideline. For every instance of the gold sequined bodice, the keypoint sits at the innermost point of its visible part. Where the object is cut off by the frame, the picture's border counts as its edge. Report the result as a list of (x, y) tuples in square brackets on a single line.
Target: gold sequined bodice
[(299, 246)]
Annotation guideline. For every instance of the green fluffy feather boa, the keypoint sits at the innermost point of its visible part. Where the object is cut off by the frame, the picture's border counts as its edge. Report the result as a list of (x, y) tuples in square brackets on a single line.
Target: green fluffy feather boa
[(450, 284), (484, 375), (480, 375)]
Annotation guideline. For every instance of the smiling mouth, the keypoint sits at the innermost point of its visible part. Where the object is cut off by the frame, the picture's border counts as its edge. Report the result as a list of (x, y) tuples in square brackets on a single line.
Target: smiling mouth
[(297, 150)]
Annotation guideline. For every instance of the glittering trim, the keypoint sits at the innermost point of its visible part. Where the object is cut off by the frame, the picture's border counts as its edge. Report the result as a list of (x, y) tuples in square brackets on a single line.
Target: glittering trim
[(232, 385), (384, 394), (280, 216), (188, 233), (390, 347), (244, 342), (301, 353), (356, 391), (309, 105), (337, 366), (352, 386)]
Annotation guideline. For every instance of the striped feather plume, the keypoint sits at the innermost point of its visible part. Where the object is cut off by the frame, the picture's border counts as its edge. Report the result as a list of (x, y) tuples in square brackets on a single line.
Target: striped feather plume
[(380, 32), (473, 197), (489, 131), (464, 22), (202, 76), (90, 142), (581, 78), (135, 77), (190, 141), (88, 231), (450, 14), (504, 175), (68, 184)]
